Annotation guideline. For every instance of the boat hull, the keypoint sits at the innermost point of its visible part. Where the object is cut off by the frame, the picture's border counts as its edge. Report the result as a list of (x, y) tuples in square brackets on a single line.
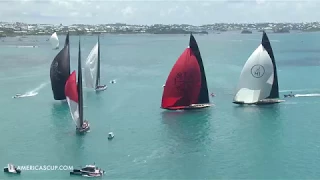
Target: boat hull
[(78, 172), (82, 130), (261, 102), (102, 88), (191, 107), (18, 171)]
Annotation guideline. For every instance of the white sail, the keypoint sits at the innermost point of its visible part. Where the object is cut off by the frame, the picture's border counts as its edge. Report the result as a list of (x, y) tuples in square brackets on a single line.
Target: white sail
[(91, 67), (74, 111), (256, 77), (54, 41)]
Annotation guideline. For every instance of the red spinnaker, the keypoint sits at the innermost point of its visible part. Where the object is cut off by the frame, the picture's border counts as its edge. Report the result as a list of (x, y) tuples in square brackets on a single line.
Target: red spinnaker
[(71, 87), (183, 85)]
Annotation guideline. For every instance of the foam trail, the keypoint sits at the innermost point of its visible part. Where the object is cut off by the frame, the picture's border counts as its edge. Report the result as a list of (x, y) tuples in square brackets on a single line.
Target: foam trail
[(306, 95), (299, 90), (35, 91)]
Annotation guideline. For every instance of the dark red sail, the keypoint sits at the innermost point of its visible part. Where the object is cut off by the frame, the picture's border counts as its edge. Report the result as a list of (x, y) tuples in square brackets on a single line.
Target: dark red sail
[(183, 85)]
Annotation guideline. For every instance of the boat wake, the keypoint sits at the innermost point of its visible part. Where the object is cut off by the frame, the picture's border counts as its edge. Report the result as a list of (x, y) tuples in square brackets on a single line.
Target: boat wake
[(33, 92), (28, 94), (306, 95), (299, 90), (26, 46)]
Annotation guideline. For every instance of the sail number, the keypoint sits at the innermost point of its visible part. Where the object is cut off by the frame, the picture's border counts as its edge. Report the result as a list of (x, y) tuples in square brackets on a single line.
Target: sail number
[(257, 71)]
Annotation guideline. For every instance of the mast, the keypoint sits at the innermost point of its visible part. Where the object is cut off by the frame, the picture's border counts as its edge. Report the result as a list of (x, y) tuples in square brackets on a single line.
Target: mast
[(275, 87), (98, 65), (80, 87)]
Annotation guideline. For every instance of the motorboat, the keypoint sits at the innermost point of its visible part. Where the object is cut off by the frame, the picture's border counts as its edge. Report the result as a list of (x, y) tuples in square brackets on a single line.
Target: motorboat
[(17, 96), (88, 171), (101, 88), (289, 95), (11, 169), (113, 81), (110, 135)]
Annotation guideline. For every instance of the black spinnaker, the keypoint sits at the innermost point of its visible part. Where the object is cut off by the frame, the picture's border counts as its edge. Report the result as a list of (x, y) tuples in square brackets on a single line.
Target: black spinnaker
[(60, 71), (204, 94)]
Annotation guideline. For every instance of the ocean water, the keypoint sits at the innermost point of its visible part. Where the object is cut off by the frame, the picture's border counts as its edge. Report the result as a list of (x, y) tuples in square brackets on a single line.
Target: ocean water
[(224, 141)]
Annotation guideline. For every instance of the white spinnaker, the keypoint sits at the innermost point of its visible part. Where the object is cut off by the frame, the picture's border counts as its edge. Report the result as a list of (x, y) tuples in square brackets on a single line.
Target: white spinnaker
[(91, 67), (54, 40), (256, 77), (74, 111)]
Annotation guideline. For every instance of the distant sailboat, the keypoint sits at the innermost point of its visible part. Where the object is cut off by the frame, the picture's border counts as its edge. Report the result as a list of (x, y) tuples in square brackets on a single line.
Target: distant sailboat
[(186, 86), (54, 40), (92, 69), (60, 71), (258, 82), (75, 98)]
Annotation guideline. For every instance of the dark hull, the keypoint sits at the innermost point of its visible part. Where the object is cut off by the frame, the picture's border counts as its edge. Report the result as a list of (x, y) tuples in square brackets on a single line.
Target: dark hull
[(191, 107), (76, 172), (288, 96), (7, 171), (79, 173), (262, 102), (102, 88)]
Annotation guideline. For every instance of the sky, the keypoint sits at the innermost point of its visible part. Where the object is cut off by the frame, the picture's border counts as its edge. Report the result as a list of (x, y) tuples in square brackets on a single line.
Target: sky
[(158, 12)]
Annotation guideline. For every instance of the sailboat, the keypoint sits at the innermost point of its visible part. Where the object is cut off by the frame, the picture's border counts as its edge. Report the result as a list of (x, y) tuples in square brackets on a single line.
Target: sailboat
[(60, 71), (75, 98), (54, 40), (92, 69), (258, 82), (186, 86)]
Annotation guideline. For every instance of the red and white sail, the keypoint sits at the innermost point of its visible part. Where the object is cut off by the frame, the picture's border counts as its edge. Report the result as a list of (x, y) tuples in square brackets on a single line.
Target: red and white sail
[(183, 85), (73, 97)]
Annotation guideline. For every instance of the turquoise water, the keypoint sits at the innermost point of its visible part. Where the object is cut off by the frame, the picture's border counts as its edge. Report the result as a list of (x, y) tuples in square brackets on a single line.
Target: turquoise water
[(224, 141)]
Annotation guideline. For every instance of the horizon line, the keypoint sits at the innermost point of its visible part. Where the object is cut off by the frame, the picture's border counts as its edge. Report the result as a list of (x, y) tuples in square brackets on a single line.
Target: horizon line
[(270, 22)]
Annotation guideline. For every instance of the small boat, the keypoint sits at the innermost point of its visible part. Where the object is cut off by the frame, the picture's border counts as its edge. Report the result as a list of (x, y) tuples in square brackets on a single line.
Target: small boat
[(289, 95), (110, 135), (92, 69), (186, 86), (88, 171), (74, 97), (113, 81), (258, 83), (17, 96), (60, 71), (54, 40), (11, 169)]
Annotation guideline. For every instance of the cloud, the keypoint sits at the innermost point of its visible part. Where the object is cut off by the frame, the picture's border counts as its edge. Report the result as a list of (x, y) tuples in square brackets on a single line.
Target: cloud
[(152, 11)]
